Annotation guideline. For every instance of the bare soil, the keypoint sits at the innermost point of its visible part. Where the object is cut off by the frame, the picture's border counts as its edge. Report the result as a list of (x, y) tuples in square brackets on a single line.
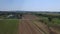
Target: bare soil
[(26, 26)]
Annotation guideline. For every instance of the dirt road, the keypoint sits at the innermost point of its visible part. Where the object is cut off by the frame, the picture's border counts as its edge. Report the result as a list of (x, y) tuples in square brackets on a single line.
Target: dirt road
[(26, 26)]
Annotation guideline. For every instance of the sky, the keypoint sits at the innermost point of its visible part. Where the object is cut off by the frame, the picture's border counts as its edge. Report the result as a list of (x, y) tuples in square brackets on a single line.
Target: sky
[(30, 5)]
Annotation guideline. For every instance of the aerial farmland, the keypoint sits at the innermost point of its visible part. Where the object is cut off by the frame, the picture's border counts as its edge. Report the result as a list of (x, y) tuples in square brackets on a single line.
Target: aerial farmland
[(29, 22)]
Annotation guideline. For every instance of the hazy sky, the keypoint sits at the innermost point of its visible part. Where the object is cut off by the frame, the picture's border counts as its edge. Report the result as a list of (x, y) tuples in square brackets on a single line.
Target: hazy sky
[(30, 5)]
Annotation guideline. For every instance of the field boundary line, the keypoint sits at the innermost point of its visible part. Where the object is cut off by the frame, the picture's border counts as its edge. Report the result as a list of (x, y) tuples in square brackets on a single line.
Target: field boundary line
[(40, 28)]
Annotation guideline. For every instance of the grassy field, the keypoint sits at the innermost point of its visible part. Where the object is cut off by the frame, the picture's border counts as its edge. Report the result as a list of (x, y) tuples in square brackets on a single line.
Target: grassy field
[(8, 26), (54, 22)]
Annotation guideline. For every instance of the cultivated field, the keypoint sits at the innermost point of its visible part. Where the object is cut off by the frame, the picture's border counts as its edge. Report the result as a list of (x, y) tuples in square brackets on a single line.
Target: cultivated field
[(30, 24), (54, 24)]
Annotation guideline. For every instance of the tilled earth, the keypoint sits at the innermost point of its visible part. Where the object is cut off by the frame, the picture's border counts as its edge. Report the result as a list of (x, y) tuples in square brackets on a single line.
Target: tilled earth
[(27, 26)]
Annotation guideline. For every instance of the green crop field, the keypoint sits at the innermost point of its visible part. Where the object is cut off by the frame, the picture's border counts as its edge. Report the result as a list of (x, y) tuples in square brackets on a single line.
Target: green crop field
[(8, 26), (54, 22)]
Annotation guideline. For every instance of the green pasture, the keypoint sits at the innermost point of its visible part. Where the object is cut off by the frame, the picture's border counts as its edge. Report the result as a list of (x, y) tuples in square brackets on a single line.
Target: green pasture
[(54, 22), (8, 26)]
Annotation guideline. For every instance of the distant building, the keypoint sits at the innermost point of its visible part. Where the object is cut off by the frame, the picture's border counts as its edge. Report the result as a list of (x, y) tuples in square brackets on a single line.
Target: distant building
[(10, 15)]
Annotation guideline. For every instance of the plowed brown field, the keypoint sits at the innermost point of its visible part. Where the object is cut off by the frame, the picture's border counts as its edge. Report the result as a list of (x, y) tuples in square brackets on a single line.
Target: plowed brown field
[(27, 26)]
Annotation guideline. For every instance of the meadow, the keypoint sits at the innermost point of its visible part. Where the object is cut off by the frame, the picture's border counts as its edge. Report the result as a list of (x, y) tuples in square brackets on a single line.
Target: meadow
[(55, 19), (8, 26)]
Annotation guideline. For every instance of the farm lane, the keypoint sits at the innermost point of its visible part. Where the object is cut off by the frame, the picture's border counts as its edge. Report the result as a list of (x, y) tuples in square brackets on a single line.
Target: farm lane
[(26, 26)]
